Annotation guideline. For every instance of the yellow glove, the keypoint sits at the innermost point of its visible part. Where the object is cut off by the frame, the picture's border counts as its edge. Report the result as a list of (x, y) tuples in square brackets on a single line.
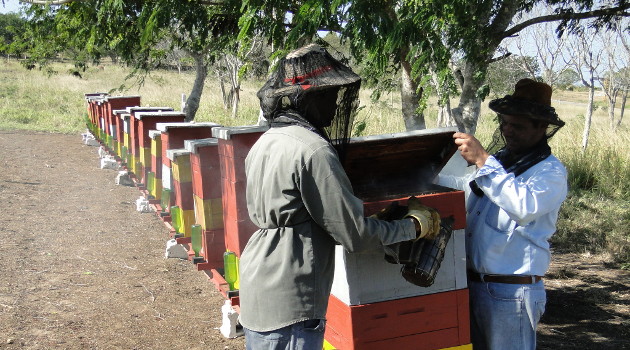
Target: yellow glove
[(428, 218)]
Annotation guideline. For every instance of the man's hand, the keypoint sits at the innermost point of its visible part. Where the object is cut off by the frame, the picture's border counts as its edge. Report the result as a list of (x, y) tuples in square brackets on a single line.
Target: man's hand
[(471, 149)]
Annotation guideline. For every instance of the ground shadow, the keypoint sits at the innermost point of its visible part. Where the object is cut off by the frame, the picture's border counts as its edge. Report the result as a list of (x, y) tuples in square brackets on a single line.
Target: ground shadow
[(586, 316)]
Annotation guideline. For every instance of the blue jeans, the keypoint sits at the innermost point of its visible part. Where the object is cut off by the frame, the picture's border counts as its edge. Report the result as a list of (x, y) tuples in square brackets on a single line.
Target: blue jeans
[(305, 335), (505, 316)]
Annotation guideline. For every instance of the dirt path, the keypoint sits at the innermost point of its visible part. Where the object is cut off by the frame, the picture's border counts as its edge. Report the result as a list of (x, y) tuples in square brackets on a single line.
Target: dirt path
[(82, 269)]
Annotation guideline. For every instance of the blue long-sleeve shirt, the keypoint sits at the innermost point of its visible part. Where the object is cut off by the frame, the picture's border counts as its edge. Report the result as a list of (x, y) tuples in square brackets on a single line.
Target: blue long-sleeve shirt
[(508, 229)]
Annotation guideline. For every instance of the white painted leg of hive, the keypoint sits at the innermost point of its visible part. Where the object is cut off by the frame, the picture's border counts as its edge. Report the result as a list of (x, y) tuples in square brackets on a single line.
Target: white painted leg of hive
[(230, 327)]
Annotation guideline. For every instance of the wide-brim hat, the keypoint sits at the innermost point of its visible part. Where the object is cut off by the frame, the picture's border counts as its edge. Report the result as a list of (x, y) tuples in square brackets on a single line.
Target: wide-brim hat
[(531, 99), (310, 68)]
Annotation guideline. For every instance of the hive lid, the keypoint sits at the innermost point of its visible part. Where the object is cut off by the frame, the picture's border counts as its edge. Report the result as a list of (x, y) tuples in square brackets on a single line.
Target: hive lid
[(193, 145), (382, 166), (226, 132), (176, 152), (120, 97), (95, 95), (161, 113), (154, 133), (163, 127), (136, 109)]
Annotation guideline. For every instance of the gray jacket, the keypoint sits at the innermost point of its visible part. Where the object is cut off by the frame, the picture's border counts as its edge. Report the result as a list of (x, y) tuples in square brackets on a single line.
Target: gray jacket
[(301, 199)]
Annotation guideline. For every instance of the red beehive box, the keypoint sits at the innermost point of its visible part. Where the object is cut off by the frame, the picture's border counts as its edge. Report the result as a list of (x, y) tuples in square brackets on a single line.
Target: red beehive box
[(428, 322), (145, 122), (206, 184), (173, 136), (372, 306), (111, 122), (135, 136), (234, 144), (91, 99)]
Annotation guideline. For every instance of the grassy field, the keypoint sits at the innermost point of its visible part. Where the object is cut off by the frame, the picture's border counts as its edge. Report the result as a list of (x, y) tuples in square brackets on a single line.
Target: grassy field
[(595, 218)]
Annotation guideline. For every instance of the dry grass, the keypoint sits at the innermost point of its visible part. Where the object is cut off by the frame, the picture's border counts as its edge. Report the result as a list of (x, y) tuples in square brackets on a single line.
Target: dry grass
[(594, 218)]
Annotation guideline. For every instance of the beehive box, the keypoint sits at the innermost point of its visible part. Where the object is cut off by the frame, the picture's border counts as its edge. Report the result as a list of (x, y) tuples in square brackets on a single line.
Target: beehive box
[(181, 183), (156, 166), (206, 183), (135, 137), (234, 145), (92, 99), (369, 293), (111, 122), (173, 136), (146, 121)]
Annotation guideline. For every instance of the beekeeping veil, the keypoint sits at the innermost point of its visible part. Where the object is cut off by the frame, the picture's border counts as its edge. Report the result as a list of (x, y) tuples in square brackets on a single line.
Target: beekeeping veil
[(531, 99), (305, 78)]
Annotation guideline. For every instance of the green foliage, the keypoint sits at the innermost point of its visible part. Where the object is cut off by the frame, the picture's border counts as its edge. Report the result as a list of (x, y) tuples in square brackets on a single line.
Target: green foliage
[(567, 78), (11, 26)]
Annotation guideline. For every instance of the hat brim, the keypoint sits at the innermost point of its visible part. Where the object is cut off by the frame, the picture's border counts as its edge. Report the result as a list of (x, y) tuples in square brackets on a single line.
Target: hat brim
[(322, 84), (512, 106)]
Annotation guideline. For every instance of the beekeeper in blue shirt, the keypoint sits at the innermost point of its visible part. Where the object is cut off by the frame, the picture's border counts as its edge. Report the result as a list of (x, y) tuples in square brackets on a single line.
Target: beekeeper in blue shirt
[(512, 207)]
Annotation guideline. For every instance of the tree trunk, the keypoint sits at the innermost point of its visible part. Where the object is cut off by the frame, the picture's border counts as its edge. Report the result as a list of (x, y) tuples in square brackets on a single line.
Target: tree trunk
[(410, 99), (444, 117), (589, 116), (467, 111), (192, 104), (234, 65), (612, 101), (623, 108)]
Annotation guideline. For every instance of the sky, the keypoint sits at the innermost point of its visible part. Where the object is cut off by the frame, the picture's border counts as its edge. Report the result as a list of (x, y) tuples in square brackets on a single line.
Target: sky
[(9, 6)]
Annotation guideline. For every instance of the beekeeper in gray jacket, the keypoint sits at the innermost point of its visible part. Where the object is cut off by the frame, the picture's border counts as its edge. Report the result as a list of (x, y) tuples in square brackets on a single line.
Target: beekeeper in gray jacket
[(299, 196)]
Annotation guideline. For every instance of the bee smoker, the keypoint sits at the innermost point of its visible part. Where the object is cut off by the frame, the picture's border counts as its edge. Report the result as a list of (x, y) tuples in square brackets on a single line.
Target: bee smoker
[(421, 259), (425, 261)]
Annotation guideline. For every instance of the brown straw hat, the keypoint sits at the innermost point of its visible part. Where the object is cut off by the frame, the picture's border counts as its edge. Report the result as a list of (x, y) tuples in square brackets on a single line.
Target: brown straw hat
[(531, 99)]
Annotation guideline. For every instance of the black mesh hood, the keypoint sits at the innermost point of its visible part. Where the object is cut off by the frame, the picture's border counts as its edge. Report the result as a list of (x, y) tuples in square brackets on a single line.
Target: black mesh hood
[(301, 78)]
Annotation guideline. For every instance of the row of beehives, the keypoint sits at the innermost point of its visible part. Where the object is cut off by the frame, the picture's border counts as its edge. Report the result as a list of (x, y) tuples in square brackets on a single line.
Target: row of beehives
[(183, 169), (193, 175)]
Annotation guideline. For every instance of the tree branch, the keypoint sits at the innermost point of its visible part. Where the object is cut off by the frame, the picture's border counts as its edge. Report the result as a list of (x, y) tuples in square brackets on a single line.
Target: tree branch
[(621, 11), (61, 2), (48, 2), (504, 56)]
